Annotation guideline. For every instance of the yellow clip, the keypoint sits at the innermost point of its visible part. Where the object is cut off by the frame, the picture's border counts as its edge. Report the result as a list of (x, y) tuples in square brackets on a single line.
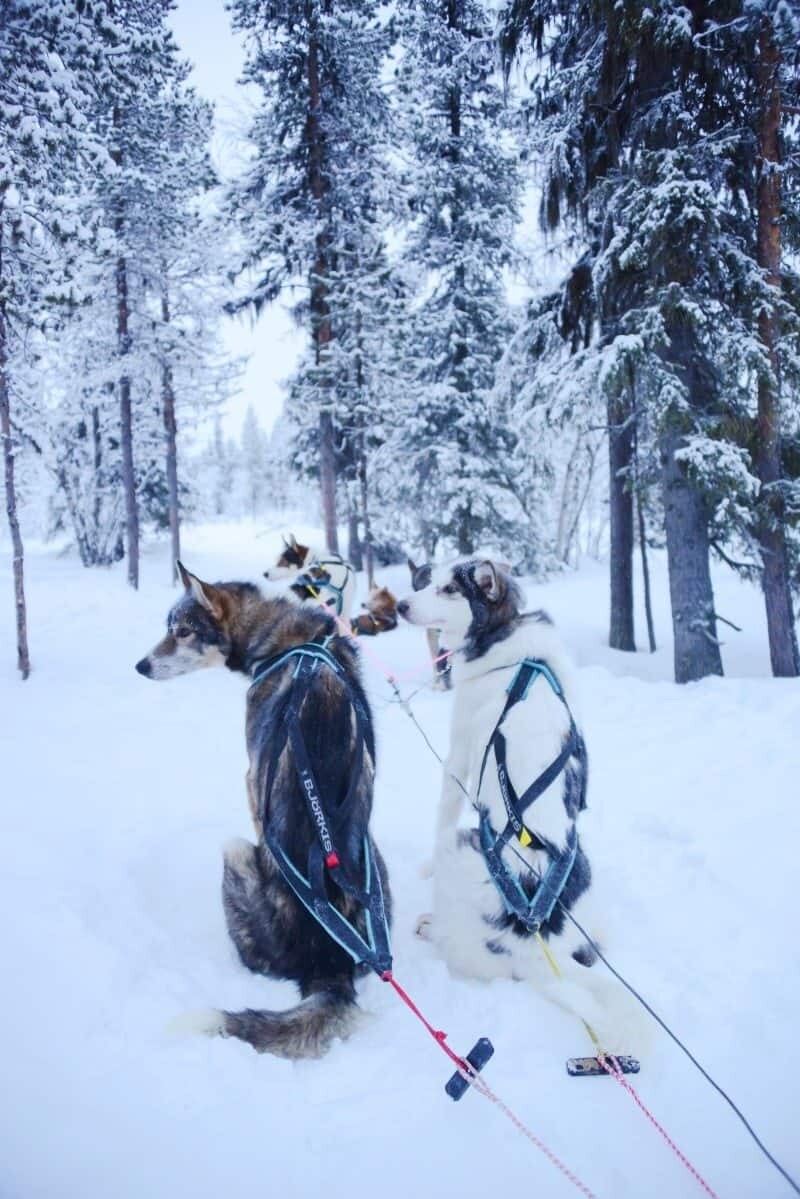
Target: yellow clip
[(525, 838)]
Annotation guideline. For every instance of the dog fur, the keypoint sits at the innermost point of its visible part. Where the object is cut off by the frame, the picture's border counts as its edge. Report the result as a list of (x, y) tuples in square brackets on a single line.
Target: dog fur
[(380, 615), (234, 625), (442, 679), (296, 559), (478, 607)]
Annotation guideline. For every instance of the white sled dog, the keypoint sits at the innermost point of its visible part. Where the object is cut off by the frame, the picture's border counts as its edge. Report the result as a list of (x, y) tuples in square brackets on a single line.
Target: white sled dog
[(477, 606), (317, 576)]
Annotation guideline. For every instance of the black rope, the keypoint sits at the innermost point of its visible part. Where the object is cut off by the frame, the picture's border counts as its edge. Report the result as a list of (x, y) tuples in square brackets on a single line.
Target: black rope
[(628, 986)]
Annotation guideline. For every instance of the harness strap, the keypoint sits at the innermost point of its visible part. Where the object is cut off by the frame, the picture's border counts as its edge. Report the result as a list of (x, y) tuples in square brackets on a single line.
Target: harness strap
[(536, 911), (314, 586), (323, 857)]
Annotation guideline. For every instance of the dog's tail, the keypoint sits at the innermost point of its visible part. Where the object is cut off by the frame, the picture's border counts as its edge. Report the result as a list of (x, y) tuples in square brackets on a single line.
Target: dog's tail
[(306, 1030)]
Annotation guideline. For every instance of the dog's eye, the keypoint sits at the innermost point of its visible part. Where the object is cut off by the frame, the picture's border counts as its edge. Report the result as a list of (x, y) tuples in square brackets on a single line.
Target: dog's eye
[(183, 631), (449, 589)]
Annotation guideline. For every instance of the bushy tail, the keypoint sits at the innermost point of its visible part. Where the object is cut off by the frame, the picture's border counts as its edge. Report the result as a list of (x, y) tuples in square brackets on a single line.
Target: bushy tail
[(306, 1030)]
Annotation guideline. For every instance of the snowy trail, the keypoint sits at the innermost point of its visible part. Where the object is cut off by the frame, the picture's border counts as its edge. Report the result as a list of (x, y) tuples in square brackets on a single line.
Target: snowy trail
[(118, 797)]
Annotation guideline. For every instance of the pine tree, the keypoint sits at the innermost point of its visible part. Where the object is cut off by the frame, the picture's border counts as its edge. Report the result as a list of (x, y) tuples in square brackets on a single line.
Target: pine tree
[(46, 51), (640, 115), (462, 192), (309, 205)]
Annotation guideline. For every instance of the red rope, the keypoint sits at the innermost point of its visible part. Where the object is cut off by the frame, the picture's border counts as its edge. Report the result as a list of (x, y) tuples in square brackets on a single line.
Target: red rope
[(612, 1067), (438, 1035), (471, 1076)]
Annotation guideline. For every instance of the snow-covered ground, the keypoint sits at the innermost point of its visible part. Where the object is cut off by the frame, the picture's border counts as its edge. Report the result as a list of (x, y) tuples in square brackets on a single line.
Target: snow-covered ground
[(118, 794)]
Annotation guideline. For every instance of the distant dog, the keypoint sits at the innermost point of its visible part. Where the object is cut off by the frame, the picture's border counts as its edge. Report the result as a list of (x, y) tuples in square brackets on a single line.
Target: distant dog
[(478, 608), (320, 577), (420, 578), (232, 624), (380, 615)]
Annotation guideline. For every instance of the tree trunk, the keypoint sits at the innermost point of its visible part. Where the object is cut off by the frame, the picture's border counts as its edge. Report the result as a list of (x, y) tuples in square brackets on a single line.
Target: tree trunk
[(686, 523), (781, 631), (620, 510), (320, 308), (354, 555), (171, 437), (125, 408), (369, 555), (23, 654), (648, 603)]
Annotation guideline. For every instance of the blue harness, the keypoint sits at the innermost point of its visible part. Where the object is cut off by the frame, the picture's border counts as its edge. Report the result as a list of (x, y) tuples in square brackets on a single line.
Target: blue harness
[(323, 857), (536, 911), (315, 586)]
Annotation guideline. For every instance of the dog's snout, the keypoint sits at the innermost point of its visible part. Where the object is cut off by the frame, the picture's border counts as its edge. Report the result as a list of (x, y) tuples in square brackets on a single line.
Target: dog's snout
[(144, 667), (403, 607)]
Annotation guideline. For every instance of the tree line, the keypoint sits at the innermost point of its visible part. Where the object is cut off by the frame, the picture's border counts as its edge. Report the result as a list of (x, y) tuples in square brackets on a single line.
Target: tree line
[(393, 156)]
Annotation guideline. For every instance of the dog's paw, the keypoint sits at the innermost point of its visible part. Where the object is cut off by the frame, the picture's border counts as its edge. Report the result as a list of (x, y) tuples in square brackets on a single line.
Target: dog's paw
[(424, 927), (426, 869)]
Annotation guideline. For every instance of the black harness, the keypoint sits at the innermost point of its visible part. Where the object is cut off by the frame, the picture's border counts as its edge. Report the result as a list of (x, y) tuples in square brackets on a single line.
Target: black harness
[(323, 857), (536, 911)]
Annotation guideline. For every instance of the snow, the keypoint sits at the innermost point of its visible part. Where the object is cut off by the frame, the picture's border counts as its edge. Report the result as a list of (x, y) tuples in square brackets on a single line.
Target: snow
[(119, 794)]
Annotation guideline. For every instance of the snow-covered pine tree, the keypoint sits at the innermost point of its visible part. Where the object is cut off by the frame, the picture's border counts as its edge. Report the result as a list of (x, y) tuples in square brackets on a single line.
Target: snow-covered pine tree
[(46, 52), (147, 266), (640, 120), (140, 66), (775, 28), (452, 441), (309, 206)]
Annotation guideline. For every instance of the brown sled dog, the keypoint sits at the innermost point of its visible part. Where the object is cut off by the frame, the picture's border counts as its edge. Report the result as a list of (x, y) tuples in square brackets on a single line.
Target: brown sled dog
[(380, 615), (232, 624)]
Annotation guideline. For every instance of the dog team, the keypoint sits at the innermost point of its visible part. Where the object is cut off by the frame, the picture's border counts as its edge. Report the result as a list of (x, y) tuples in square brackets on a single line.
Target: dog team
[(512, 881)]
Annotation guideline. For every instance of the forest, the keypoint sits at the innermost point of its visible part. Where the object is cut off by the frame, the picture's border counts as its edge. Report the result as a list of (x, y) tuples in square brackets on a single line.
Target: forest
[(544, 254)]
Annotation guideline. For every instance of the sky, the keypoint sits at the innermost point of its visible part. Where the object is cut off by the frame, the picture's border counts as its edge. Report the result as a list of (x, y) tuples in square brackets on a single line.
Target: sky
[(271, 345)]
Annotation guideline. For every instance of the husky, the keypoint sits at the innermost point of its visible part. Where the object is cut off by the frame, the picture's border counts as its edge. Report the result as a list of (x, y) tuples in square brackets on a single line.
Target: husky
[(380, 615), (478, 608), (234, 625), (420, 578), (318, 577)]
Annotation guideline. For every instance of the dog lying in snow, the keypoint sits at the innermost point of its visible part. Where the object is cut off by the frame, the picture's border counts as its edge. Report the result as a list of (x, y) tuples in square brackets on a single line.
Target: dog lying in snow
[(380, 615), (318, 577), (232, 624), (477, 606)]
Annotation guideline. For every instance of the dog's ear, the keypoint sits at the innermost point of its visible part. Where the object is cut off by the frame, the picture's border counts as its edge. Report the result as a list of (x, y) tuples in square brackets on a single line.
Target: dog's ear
[(488, 580), (292, 541), (207, 596), (412, 566), (183, 574)]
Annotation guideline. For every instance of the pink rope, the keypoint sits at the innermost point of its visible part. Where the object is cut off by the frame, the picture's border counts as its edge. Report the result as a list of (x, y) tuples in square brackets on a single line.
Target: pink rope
[(481, 1085), (384, 668), (471, 1076), (612, 1067)]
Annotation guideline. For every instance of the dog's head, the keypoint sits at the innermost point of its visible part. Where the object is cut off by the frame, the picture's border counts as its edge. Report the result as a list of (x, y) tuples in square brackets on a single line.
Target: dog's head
[(381, 609), (292, 559), (466, 601), (197, 631), (420, 575), (381, 603)]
